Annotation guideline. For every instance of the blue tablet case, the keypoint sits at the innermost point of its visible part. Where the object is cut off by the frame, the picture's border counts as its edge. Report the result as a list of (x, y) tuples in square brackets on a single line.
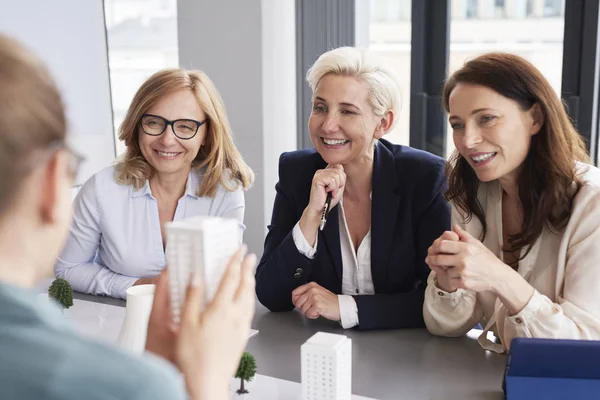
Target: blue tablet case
[(553, 369)]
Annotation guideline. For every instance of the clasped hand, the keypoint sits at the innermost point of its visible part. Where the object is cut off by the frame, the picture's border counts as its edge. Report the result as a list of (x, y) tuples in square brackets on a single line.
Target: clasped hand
[(463, 262)]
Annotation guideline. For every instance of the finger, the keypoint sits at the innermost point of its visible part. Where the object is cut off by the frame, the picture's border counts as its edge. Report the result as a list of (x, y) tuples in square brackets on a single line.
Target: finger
[(330, 184), (173, 327), (455, 273), (231, 278), (337, 180), (442, 260), (161, 292), (301, 289), (450, 235), (326, 180), (437, 269), (246, 288), (433, 249), (338, 177), (450, 247), (336, 195), (320, 179), (194, 301), (430, 250), (307, 305), (338, 167), (462, 234), (342, 179), (312, 312), (301, 301)]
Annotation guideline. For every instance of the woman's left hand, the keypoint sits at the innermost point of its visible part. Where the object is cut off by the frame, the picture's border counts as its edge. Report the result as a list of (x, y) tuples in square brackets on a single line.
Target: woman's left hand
[(315, 301), (469, 264)]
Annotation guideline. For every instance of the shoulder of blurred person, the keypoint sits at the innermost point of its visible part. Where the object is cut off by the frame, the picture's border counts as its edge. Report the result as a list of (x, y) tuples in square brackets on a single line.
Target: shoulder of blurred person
[(60, 364)]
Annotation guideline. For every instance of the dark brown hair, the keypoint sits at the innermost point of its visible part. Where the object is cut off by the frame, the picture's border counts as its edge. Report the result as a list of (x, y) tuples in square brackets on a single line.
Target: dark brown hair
[(31, 115), (546, 175)]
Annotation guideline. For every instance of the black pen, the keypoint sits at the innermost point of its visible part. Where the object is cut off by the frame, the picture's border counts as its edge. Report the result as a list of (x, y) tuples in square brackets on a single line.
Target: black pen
[(325, 211)]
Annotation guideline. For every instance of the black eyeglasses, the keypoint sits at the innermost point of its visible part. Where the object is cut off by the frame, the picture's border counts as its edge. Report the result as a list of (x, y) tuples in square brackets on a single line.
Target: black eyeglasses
[(155, 125)]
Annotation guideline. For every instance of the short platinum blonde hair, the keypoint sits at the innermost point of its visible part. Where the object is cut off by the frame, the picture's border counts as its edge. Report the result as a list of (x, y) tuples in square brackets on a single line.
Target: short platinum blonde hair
[(384, 84)]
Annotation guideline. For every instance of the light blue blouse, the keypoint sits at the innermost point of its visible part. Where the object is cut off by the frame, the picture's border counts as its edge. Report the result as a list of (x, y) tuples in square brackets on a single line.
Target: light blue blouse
[(115, 237)]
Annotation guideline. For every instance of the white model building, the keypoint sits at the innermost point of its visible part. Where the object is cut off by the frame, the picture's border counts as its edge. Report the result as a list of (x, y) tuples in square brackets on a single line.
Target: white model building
[(327, 367), (199, 245)]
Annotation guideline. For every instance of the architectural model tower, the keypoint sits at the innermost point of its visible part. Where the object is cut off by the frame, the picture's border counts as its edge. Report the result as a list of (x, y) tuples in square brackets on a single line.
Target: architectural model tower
[(327, 367), (199, 245)]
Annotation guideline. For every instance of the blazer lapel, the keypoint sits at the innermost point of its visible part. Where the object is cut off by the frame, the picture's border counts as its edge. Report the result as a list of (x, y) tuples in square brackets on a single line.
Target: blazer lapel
[(384, 213)]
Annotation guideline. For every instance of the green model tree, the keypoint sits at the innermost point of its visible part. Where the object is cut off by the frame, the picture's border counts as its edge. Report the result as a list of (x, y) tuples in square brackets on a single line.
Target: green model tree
[(62, 291), (246, 371)]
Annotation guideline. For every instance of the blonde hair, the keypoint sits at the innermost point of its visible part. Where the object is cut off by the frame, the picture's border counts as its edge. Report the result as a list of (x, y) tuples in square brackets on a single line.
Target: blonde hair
[(32, 115), (384, 84), (218, 154)]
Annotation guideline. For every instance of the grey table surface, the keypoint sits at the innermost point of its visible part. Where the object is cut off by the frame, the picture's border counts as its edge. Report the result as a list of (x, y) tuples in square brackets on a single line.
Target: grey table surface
[(393, 364)]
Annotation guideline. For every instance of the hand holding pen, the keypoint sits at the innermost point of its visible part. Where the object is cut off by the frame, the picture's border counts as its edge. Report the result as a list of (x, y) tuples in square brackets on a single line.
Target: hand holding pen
[(328, 182), (326, 209)]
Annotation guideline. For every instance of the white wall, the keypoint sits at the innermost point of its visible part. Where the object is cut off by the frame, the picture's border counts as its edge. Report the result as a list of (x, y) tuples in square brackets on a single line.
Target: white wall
[(279, 91), (248, 48), (69, 35), (362, 23)]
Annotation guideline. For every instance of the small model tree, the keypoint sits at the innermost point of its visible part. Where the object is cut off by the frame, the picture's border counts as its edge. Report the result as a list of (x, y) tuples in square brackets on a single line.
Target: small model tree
[(62, 291), (246, 371)]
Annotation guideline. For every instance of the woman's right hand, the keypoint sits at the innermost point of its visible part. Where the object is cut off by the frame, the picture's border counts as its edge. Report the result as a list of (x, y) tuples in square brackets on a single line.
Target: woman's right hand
[(210, 342), (442, 279), (331, 179)]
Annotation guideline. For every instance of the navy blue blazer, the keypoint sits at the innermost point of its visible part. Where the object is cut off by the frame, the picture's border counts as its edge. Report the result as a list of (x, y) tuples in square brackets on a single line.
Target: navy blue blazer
[(408, 212)]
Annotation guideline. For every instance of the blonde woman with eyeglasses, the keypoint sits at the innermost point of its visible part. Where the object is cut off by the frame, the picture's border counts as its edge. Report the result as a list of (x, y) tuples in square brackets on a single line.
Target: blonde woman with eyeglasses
[(180, 162)]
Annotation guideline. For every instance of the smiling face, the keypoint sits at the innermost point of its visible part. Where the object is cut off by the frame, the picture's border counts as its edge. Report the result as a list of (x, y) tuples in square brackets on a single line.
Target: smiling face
[(342, 124), (491, 131), (167, 153)]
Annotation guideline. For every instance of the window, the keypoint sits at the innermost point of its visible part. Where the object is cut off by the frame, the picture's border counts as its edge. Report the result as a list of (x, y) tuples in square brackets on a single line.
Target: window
[(390, 37), (142, 39), (533, 29)]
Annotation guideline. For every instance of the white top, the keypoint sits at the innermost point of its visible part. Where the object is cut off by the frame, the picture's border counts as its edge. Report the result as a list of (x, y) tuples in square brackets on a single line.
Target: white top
[(116, 238), (564, 269), (356, 267)]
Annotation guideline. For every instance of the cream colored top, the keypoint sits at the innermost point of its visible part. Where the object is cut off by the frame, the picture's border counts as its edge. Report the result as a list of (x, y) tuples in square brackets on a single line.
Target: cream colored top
[(563, 267)]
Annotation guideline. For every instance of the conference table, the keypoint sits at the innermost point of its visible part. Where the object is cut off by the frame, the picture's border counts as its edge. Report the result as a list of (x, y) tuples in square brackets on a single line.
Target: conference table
[(391, 364)]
